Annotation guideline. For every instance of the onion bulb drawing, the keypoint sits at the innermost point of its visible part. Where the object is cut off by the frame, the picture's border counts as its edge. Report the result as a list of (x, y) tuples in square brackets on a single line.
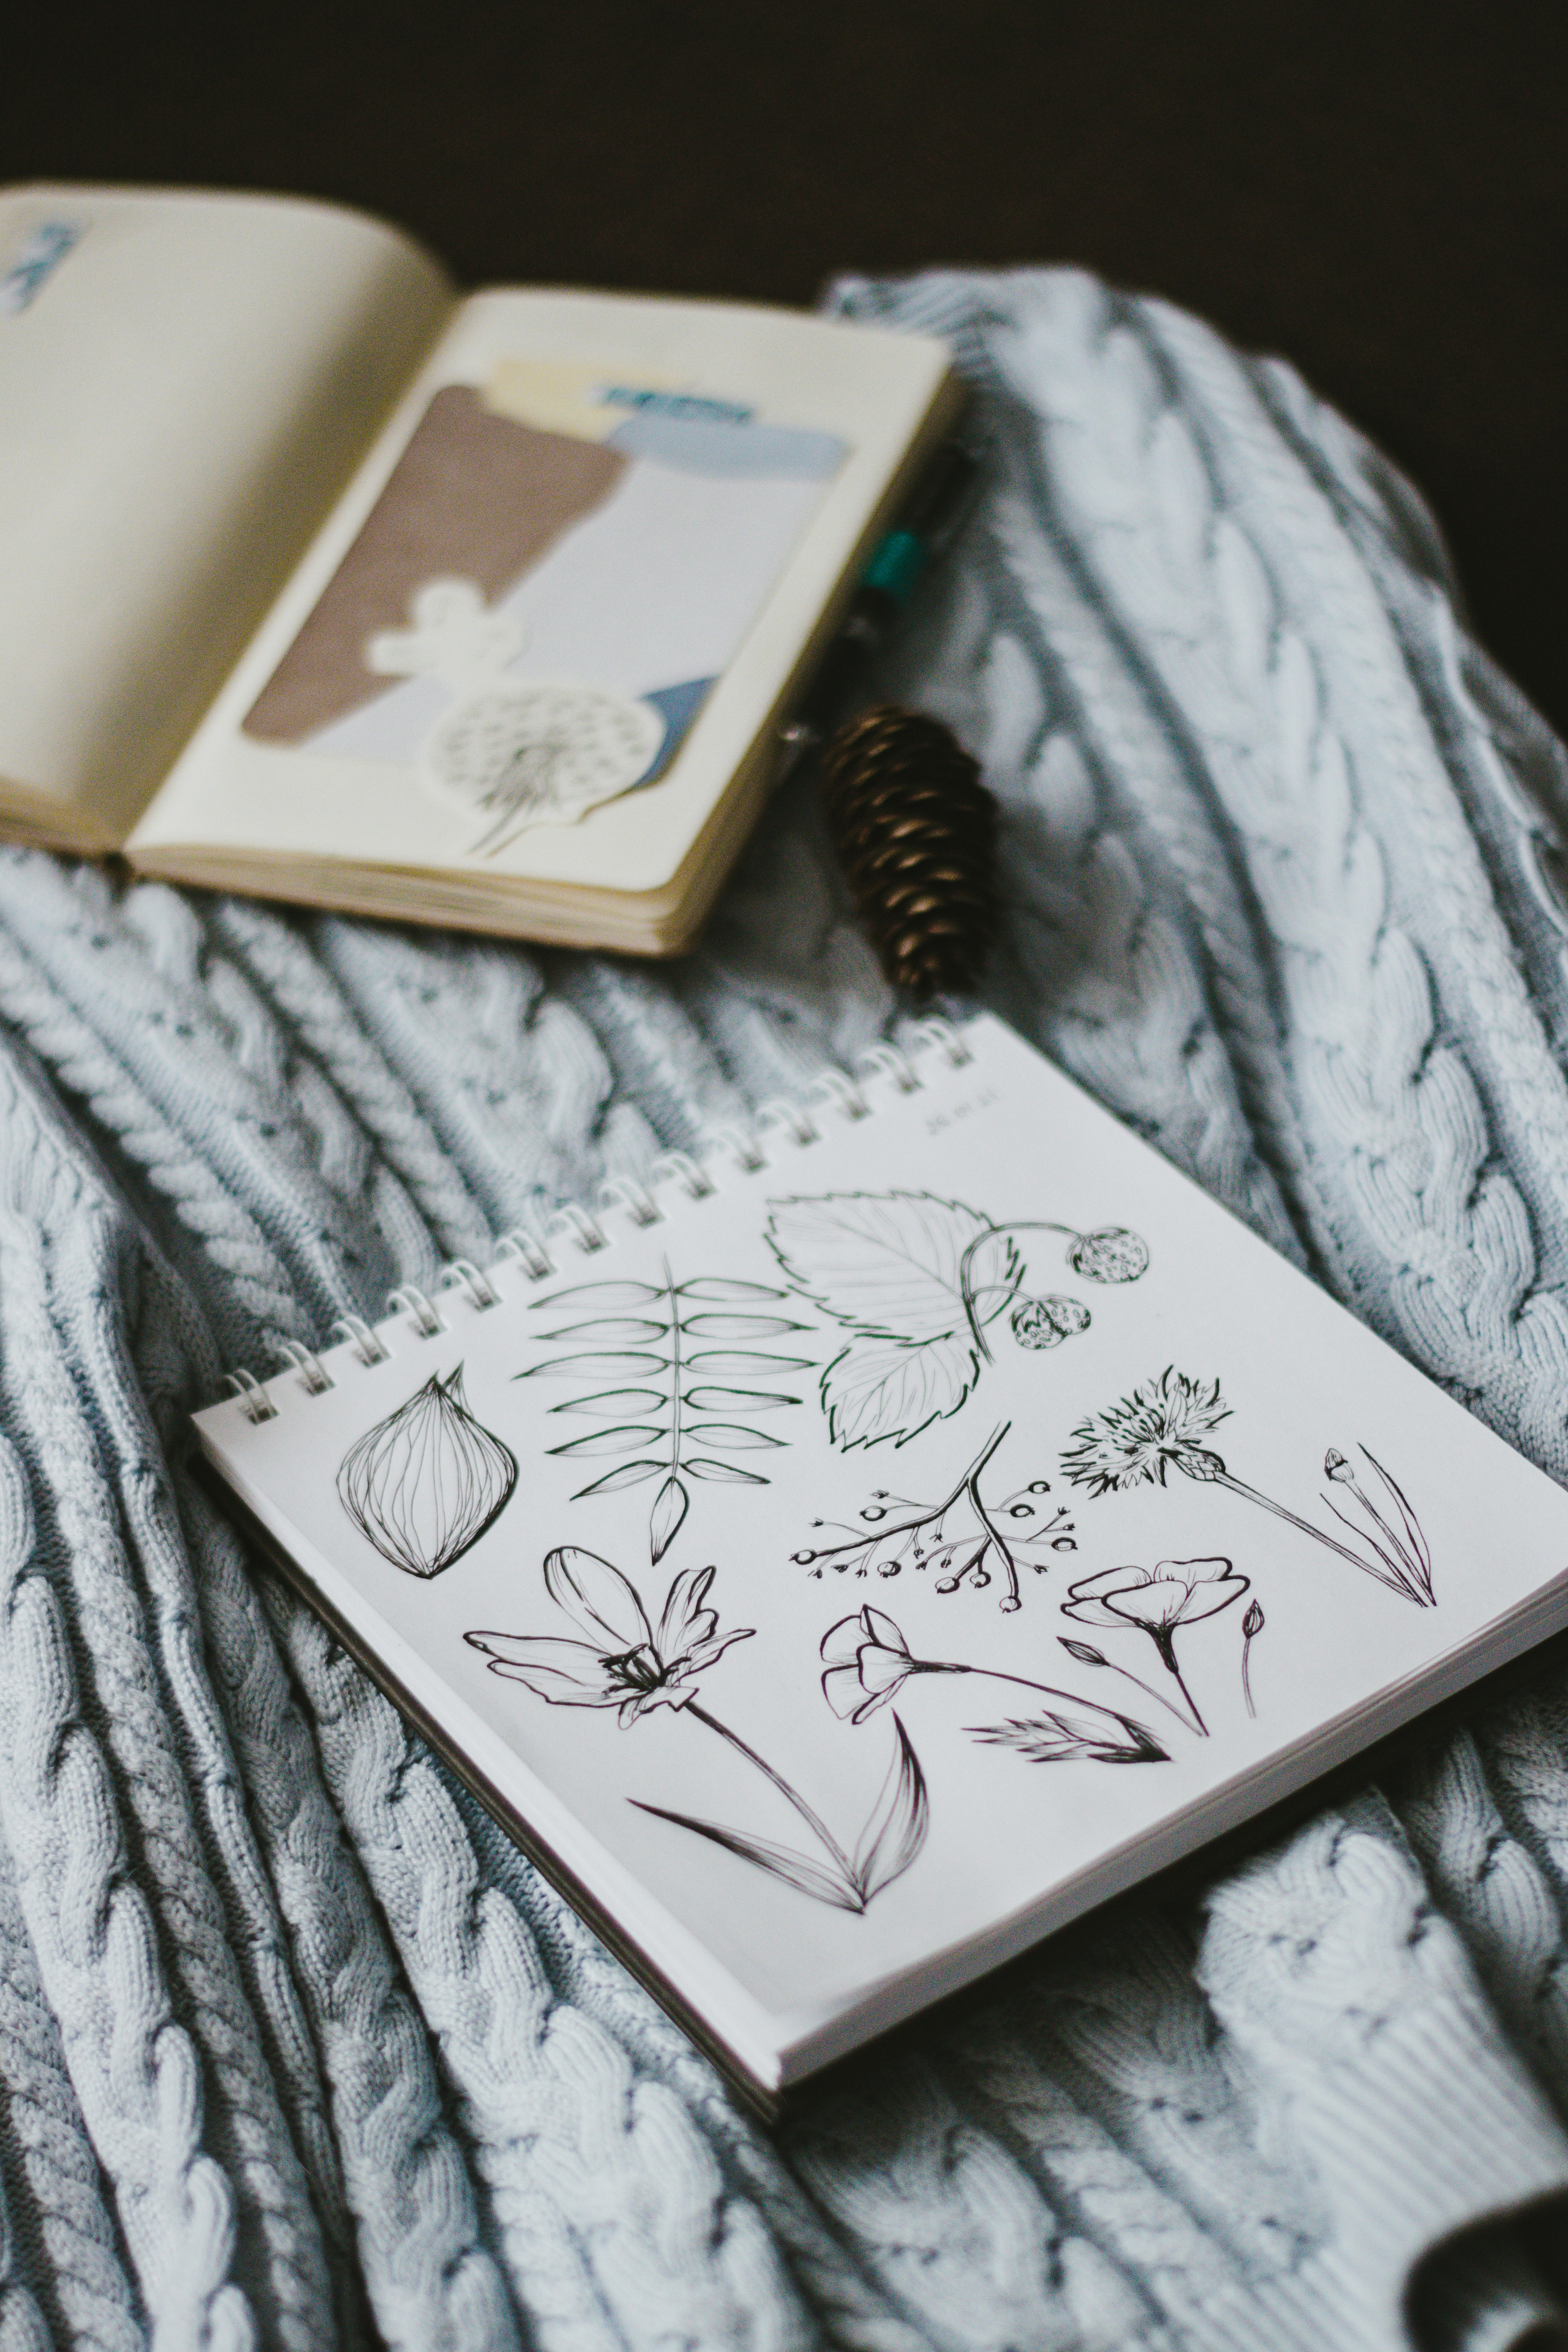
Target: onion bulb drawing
[(424, 1484)]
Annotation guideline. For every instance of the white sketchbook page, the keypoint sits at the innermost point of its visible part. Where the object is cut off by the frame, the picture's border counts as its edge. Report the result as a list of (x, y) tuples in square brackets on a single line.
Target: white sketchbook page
[(1010, 1140), (871, 391), (182, 394)]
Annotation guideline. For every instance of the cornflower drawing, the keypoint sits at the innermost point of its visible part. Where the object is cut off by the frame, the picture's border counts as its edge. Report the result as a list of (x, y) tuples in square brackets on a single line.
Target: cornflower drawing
[(1161, 1427), (866, 1663), (623, 1661), (1157, 1600)]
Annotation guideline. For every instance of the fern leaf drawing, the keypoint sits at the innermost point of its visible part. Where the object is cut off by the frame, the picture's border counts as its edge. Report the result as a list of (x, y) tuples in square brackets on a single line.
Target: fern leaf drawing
[(677, 1375)]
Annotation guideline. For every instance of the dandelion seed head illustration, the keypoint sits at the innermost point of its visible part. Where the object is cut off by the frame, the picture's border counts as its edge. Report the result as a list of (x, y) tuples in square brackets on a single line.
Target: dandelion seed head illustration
[(1134, 1442)]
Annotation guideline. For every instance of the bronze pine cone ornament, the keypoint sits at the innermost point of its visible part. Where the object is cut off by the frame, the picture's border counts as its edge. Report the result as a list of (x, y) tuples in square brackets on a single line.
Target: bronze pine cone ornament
[(915, 831)]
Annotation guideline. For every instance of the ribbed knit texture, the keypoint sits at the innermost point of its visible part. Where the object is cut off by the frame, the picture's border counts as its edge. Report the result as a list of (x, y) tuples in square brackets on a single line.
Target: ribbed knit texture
[(295, 2050)]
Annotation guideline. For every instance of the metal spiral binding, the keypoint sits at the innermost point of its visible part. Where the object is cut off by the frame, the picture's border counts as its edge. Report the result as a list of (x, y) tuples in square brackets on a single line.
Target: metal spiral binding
[(464, 1274), (777, 1122), (309, 1365), (409, 1301)]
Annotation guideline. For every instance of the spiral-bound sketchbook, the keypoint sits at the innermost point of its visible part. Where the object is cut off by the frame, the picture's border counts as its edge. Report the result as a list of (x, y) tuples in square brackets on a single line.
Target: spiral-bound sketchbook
[(851, 1554)]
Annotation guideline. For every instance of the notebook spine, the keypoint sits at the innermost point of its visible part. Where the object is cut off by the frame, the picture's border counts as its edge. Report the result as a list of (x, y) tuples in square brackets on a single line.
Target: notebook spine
[(731, 1150)]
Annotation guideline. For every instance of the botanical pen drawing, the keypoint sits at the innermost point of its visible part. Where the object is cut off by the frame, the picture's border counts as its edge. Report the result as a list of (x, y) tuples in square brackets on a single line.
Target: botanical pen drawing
[(620, 1661), (918, 1283), (1157, 1600), (424, 1484), (1161, 1425), (866, 1663), (962, 1536), (684, 1394)]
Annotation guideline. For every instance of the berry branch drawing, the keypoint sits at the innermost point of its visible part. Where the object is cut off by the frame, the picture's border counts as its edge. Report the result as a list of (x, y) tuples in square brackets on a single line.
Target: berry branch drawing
[(918, 1283), (621, 1661), (684, 1394), (866, 1663), (962, 1537), (1161, 1427), (424, 1484)]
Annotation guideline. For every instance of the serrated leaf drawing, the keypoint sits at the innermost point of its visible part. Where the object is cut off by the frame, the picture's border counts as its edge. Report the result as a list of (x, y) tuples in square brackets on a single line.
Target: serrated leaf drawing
[(916, 1282), (669, 1338), (887, 1262), (881, 1387)]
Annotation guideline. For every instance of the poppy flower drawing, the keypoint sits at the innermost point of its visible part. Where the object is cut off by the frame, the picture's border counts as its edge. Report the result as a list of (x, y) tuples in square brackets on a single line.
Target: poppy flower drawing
[(621, 1661), (1156, 1601)]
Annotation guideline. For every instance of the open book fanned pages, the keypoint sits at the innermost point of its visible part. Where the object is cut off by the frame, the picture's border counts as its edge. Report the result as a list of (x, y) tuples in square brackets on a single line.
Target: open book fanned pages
[(321, 582), (855, 1553)]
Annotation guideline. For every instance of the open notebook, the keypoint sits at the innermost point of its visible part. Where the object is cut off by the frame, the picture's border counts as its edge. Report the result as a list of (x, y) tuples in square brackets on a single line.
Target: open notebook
[(319, 579), (855, 1555)]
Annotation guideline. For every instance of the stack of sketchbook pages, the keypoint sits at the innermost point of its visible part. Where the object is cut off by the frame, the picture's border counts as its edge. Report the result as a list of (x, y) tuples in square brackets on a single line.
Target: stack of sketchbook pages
[(320, 582), (850, 1556)]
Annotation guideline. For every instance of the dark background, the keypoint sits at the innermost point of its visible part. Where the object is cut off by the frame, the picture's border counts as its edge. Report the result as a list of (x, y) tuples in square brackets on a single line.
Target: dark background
[(1379, 193)]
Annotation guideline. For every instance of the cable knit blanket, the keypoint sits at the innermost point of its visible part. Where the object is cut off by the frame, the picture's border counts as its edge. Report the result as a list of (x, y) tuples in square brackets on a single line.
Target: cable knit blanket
[(295, 2050)]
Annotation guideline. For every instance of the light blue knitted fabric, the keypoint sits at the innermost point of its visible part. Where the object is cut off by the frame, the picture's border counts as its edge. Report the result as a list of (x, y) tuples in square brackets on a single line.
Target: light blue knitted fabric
[(294, 2049)]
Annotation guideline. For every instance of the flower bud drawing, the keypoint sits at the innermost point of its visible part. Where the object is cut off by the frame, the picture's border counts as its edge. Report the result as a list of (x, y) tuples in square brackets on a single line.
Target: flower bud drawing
[(424, 1484)]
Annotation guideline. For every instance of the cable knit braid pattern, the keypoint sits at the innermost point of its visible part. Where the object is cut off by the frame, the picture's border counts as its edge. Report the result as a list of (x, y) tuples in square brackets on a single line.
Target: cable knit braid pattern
[(296, 2050)]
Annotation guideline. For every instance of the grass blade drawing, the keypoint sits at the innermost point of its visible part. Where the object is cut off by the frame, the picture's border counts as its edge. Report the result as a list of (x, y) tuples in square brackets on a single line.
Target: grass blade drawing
[(1403, 1550), (866, 1663), (623, 1661), (424, 1484), (685, 1386), (917, 1283), (1161, 1426), (962, 1536)]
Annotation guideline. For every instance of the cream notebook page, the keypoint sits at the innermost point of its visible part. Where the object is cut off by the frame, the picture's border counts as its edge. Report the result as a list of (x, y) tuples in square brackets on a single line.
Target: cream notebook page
[(947, 1516), (585, 556), (186, 382)]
